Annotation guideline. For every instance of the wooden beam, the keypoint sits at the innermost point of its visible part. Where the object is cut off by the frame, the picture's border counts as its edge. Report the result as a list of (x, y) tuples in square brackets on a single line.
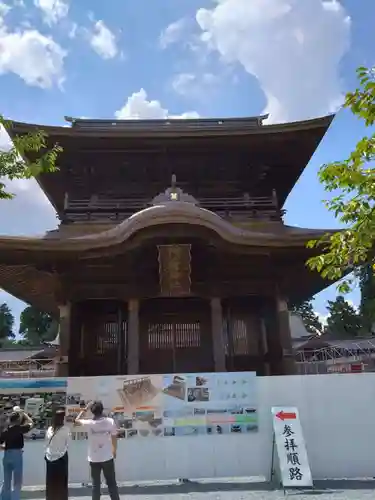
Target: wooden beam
[(200, 289)]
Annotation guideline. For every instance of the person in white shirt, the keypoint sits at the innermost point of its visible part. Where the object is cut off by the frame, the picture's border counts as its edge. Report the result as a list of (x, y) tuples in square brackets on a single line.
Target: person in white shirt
[(56, 457), (102, 443)]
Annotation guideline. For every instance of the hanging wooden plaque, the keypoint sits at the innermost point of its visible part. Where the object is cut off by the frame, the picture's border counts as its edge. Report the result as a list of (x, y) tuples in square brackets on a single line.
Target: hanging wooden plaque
[(174, 270)]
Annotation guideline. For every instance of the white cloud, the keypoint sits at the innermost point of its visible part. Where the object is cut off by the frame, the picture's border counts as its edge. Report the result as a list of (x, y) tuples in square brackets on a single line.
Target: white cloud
[(73, 30), (29, 212), (138, 106), (103, 41), (293, 48), (189, 84), (5, 142), (34, 57), (53, 10), (322, 317), (4, 8), (173, 33), (26, 190), (353, 305)]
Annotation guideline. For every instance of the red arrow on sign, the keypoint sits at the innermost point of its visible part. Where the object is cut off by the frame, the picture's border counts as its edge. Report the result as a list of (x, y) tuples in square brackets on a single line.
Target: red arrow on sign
[(286, 416)]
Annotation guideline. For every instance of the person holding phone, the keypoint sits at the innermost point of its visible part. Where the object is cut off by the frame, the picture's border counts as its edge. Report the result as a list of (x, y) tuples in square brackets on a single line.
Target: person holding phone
[(56, 457), (12, 442), (102, 443)]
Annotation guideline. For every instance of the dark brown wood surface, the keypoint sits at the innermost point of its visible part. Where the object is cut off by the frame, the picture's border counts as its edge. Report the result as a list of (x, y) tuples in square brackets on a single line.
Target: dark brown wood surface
[(139, 163), (175, 336), (134, 273)]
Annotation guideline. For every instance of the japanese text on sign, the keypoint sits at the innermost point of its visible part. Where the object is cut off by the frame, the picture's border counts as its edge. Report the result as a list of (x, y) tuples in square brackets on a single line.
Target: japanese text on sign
[(291, 450)]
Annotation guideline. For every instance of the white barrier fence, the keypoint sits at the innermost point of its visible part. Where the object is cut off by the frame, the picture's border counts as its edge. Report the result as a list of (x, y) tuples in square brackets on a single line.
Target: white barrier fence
[(337, 414)]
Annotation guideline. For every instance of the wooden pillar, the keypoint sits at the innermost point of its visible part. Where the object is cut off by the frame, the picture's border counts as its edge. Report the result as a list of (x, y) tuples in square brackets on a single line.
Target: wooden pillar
[(274, 355), (264, 348), (62, 368), (285, 338), (217, 335), (133, 337)]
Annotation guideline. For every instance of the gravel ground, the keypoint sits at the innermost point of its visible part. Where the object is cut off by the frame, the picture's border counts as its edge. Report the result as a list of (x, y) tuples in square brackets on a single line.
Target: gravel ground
[(327, 490)]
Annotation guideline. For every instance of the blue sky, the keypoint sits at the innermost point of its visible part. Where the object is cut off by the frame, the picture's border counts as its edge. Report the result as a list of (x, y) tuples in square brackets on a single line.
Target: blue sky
[(155, 59)]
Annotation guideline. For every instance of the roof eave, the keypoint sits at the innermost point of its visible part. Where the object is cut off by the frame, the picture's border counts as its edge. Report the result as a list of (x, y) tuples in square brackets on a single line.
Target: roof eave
[(81, 245), (171, 128), (19, 283)]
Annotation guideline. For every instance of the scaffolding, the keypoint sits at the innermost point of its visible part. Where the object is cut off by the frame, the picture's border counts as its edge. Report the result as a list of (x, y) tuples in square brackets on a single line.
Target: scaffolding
[(27, 368), (341, 356)]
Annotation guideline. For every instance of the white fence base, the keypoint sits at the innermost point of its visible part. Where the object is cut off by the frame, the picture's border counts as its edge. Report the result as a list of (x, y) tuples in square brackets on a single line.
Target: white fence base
[(337, 414)]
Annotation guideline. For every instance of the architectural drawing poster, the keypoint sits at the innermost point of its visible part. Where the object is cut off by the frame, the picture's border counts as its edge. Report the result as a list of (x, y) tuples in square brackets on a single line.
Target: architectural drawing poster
[(171, 405), (141, 405)]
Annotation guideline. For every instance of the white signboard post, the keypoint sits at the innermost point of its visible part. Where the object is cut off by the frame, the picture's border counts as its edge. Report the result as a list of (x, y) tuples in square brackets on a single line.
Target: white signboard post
[(291, 450)]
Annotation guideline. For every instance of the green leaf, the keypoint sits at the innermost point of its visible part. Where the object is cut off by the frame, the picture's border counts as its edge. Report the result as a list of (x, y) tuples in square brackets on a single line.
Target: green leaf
[(33, 146), (353, 182)]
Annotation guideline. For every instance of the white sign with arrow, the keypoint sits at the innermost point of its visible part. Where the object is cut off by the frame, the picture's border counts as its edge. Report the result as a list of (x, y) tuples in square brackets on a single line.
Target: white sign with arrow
[(291, 449)]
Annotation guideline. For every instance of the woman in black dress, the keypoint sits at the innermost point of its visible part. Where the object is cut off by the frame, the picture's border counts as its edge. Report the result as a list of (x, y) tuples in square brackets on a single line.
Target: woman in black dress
[(57, 458)]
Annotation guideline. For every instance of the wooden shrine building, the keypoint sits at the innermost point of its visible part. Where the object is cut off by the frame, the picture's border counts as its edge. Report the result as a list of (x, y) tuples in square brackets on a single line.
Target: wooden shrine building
[(171, 254)]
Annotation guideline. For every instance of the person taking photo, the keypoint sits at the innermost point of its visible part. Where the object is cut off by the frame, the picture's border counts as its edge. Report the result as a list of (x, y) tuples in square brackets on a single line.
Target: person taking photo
[(56, 457), (102, 448), (12, 442)]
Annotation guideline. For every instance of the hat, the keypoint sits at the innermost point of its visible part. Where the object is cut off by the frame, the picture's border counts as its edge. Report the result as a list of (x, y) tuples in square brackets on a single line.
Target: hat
[(16, 409)]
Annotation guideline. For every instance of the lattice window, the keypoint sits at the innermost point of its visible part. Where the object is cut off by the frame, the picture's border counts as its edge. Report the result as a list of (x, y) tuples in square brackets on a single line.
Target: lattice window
[(160, 336), (240, 341), (188, 335), (236, 338), (108, 339), (174, 335)]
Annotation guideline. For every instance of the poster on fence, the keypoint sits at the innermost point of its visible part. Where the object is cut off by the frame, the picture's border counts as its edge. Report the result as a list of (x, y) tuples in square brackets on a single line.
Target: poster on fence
[(37, 397), (170, 405)]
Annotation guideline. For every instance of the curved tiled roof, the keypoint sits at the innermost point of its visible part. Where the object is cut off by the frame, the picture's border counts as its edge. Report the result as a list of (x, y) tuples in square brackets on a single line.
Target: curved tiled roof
[(173, 212), (169, 127), (22, 274)]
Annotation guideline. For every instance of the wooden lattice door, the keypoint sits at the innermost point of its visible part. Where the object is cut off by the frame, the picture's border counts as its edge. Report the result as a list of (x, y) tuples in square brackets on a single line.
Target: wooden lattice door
[(175, 336), (103, 337), (242, 336)]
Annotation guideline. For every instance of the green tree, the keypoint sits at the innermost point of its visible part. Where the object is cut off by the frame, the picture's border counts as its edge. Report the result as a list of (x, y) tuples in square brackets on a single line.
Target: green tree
[(354, 182), (309, 317), (12, 164), (37, 327), (367, 304), (343, 321), (6, 325)]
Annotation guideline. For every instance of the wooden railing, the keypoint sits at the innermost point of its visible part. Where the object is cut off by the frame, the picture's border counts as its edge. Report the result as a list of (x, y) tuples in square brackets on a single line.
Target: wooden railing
[(96, 208)]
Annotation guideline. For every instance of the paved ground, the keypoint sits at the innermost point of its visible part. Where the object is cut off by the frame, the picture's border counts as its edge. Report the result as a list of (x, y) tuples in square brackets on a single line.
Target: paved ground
[(332, 490), (242, 496)]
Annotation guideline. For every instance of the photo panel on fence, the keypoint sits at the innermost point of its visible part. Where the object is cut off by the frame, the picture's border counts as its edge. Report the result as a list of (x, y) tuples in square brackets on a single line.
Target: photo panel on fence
[(167, 406), (151, 413)]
